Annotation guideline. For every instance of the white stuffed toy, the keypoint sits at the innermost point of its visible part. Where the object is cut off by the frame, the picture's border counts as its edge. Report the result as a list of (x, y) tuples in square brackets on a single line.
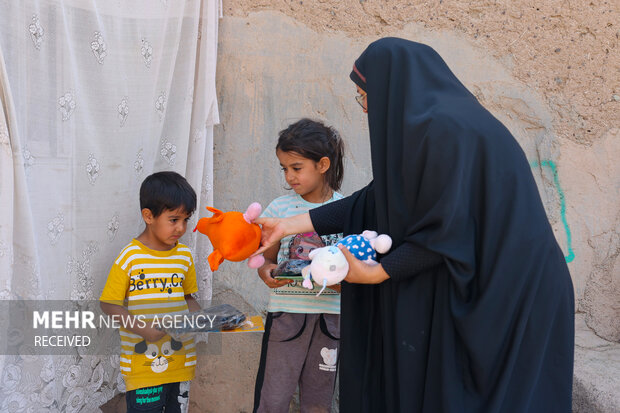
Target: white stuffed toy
[(329, 265)]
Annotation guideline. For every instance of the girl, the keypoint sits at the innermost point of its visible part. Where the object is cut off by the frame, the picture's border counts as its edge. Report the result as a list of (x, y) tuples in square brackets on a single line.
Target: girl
[(300, 344)]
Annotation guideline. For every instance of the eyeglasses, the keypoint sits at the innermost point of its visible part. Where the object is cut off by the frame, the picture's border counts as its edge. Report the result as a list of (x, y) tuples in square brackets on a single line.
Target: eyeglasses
[(360, 99)]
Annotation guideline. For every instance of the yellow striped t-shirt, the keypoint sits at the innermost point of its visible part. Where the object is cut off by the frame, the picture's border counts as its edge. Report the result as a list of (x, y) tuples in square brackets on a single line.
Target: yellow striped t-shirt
[(153, 283)]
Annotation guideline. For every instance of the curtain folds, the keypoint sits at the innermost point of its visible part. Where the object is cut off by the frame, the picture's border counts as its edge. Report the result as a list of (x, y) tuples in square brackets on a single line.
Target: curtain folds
[(95, 96)]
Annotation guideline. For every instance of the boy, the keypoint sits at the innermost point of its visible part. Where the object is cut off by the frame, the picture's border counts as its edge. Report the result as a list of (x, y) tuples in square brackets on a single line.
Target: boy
[(156, 275)]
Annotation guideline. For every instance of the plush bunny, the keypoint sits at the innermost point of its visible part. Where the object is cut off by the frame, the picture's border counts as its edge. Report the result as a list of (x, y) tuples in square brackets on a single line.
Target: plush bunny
[(234, 236), (329, 265)]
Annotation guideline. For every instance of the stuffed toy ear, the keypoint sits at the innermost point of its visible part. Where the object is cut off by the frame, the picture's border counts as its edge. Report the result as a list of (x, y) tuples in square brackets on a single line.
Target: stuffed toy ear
[(305, 273), (256, 261), (382, 243), (252, 212), (313, 253), (369, 235), (217, 215)]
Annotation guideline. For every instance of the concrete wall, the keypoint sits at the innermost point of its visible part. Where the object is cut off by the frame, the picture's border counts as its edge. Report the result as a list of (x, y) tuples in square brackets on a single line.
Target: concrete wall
[(279, 61)]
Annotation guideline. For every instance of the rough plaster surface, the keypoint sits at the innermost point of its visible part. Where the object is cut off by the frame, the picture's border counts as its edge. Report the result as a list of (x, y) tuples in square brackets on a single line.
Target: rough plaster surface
[(567, 49), (593, 390), (273, 69), (592, 181)]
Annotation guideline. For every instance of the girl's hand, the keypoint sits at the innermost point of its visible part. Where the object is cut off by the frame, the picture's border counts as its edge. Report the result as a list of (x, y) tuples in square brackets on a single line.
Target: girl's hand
[(264, 273), (362, 273)]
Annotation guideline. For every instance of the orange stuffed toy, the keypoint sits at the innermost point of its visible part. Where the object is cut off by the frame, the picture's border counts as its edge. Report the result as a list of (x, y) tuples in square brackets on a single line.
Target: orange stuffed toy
[(233, 235)]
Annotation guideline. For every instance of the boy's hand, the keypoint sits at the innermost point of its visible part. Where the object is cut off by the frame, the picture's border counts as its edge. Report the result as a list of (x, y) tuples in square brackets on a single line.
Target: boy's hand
[(151, 334), (192, 304), (264, 273)]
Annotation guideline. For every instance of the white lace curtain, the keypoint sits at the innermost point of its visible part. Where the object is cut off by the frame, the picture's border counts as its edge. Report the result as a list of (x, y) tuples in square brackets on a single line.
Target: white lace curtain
[(95, 96)]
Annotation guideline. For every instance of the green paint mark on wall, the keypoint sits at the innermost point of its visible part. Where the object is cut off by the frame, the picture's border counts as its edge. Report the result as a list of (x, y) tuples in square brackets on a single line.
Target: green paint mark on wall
[(551, 165)]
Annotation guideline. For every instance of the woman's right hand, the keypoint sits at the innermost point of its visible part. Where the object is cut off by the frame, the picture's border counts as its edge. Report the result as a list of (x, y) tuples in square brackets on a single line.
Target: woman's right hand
[(272, 231), (264, 273)]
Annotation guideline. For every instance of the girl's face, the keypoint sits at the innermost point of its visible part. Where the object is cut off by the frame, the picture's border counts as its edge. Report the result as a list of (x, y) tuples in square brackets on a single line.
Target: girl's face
[(304, 175)]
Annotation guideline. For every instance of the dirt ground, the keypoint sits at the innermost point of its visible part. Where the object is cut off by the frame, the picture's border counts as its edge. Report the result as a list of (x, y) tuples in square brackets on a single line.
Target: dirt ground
[(567, 49)]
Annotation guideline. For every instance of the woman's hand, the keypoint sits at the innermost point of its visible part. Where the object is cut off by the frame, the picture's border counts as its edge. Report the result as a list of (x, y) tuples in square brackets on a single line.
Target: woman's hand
[(272, 231), (264, 273), (362, 273)]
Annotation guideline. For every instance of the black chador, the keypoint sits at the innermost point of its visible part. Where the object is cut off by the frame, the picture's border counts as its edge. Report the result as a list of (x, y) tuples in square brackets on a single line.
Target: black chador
[(490, 326)]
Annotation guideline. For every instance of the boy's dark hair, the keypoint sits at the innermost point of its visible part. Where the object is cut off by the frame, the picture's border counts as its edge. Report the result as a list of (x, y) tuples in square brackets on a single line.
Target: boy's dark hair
[(167, 190), (314, 140)]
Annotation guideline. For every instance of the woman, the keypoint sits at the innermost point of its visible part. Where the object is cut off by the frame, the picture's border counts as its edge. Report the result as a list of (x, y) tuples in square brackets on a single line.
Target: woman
[(472, 309)]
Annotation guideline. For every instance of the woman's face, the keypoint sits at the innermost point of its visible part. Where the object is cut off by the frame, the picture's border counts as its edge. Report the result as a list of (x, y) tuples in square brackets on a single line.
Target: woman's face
[(361, 92)]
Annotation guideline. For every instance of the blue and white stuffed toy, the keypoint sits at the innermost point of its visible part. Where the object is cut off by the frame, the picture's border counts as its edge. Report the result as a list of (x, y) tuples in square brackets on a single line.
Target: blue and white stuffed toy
[(329, 265)]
